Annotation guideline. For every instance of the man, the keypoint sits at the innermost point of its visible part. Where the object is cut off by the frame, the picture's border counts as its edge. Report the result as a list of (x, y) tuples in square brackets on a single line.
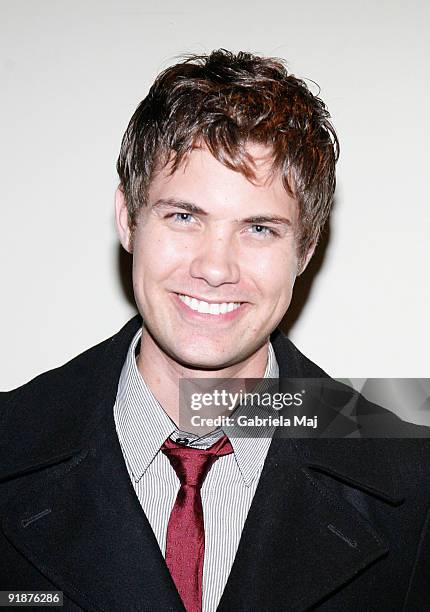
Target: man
[(227, 178)]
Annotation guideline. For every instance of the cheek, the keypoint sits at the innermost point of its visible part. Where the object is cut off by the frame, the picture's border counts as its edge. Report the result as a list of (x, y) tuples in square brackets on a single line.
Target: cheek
[(275, 275), (154, 256)]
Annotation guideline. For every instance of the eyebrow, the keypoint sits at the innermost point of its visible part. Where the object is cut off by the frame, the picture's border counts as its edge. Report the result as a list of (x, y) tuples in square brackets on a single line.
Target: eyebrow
[(197, 210), (260, 219), (175, 203)]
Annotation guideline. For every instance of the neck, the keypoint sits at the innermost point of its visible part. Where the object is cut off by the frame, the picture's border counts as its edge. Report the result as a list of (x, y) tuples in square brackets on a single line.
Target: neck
[(162, 373)]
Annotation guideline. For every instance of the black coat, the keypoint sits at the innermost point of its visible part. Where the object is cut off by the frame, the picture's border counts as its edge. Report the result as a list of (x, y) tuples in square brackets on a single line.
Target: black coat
[(335, 525)]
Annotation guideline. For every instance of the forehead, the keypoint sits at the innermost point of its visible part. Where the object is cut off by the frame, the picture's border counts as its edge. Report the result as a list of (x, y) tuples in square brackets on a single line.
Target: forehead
[(202, 179)]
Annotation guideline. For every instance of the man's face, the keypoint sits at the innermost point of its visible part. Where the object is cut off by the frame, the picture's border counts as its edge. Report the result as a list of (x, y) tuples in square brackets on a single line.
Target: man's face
[(214, 260)]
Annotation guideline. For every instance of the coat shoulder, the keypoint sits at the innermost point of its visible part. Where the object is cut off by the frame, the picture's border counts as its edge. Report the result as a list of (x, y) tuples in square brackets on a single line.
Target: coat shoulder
[(292, 362), (69, 376), (49, 414)]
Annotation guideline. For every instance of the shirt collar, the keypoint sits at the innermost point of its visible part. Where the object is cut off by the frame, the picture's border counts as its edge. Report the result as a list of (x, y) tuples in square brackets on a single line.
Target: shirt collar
[(143, 426)]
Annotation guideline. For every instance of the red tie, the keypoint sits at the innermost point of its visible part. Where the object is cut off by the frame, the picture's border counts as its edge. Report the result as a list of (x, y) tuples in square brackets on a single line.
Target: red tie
[(185, 546)]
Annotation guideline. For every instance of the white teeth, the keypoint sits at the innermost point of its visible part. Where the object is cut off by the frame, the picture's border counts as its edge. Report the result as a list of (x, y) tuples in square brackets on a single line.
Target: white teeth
[(203, 307), (206, 308)]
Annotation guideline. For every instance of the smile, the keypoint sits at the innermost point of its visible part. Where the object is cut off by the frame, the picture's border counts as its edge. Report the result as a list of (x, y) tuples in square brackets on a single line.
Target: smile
[(208, 308)]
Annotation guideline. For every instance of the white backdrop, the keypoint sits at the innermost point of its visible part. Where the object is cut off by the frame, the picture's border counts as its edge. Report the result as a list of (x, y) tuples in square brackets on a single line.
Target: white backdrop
[(72, 74)]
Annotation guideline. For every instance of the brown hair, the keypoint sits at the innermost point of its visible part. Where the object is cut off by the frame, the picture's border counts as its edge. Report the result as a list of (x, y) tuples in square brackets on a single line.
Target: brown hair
[(226, 101)]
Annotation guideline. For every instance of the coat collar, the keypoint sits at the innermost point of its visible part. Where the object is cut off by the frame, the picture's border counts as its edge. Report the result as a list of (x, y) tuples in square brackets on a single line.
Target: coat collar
[(52, 417), (77, 519)]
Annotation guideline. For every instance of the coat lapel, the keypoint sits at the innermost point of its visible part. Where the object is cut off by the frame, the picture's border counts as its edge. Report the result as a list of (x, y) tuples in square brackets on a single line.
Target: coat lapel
[(301, 542), (81, 525), (308, 532)]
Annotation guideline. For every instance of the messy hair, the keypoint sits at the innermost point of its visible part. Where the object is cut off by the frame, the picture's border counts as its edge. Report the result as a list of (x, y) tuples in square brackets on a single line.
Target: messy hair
[(227, 101)]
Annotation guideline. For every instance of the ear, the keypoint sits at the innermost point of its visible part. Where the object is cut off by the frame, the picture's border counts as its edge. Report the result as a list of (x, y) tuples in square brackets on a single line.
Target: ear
[(303, 264), (122, 220)]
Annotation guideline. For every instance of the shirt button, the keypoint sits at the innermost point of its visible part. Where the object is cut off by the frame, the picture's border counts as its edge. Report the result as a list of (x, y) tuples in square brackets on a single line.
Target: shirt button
[(184, 441)]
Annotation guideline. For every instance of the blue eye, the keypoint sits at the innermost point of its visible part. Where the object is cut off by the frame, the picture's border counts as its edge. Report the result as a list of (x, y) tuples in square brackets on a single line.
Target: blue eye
[(262, 230), (183, 217)]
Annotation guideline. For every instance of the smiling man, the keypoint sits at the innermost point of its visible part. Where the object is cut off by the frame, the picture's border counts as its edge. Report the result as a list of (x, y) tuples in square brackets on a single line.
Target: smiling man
[(215, 259), (227, 175)]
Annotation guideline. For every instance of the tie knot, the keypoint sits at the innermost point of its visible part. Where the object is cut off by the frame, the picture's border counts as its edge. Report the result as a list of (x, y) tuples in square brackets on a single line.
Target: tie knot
[(192, 464)]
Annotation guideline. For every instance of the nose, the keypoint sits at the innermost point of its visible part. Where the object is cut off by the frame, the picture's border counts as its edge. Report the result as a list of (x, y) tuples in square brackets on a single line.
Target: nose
[(216, 261)]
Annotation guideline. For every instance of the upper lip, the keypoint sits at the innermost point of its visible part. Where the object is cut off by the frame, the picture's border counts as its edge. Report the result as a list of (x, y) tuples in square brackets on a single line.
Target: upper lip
[(219, 301)]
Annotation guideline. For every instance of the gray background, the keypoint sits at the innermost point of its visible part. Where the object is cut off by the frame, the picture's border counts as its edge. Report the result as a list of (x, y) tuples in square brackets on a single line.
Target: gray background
[(72, 74)]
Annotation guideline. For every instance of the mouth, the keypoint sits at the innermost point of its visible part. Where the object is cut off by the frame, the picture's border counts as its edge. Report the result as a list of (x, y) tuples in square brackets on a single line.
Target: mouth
[(209, 308)]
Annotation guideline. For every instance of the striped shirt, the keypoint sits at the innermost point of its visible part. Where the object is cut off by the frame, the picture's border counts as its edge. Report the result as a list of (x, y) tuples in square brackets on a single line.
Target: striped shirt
[(227, 492)]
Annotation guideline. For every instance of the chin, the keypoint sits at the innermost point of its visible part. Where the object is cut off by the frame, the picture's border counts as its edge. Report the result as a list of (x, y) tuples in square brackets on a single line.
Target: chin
[(202, 362), (207, 360)]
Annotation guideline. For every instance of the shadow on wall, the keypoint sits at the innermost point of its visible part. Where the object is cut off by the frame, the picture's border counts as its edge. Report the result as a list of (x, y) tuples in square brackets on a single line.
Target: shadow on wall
[(303, 284), (124, 269), (302, 288)]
